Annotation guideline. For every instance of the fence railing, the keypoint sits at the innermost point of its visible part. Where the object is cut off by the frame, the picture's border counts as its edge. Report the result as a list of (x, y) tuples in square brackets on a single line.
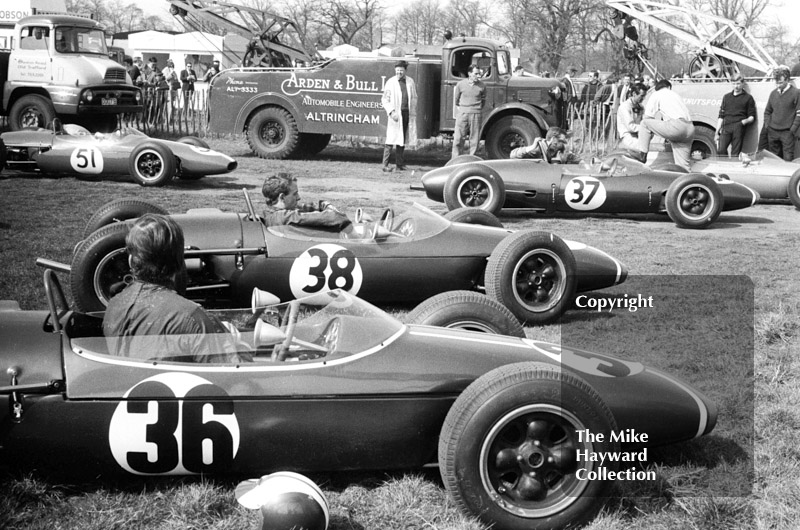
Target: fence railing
[(593, 128), (171, 112)]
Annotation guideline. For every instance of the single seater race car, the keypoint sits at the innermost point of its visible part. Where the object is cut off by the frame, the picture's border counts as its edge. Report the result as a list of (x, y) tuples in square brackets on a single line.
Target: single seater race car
[(765, 172), (332, 383), (402, 258), (616, 184), (72, 150)]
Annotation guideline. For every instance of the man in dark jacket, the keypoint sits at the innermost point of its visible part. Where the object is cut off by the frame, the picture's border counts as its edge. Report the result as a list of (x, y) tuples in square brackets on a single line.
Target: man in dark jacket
[(738, 110), (283, 206), (782, 115)]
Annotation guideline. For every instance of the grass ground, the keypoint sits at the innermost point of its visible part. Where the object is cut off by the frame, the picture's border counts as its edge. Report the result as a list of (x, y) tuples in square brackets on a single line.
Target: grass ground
[(728, 323)]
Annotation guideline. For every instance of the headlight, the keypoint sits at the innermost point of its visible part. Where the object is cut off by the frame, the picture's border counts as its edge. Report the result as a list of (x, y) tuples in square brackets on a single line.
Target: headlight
[(138, 96), (88, 96)]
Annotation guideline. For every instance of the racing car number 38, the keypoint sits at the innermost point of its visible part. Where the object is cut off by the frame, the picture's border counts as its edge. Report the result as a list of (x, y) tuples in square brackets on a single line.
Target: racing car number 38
[(161, 428), (585, 193), (324, 267)]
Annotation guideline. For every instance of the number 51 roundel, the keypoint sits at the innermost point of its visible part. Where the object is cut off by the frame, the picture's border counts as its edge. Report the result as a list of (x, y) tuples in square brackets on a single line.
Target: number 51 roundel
[(86, 160), (584, 193)]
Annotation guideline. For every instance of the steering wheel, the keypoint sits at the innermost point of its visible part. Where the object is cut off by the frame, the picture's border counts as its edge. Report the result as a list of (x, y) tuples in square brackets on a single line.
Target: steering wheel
[(406, 228), (387, 219), (610, 168), (330, 337)]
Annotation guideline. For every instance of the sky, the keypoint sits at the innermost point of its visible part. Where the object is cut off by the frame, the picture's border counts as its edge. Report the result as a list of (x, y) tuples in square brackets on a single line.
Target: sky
[(787, 10)]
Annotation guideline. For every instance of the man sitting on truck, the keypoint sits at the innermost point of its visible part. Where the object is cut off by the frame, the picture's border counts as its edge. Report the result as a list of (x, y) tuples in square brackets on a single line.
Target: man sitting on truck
[(283, 208)]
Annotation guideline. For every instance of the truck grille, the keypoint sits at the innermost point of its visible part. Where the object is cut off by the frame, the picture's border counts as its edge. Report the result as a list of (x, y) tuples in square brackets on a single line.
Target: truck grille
[(114, 75)]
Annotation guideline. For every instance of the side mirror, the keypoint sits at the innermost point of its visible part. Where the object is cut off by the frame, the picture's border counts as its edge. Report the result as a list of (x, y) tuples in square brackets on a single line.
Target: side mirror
[(261, 299)]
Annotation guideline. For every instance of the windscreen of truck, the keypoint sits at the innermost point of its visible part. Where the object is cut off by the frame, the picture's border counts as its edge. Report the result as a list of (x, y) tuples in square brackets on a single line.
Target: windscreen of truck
[(71, 39)]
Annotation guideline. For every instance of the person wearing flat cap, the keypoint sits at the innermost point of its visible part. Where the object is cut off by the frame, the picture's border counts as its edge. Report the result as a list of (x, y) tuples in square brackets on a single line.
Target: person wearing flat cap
[(400, 102)]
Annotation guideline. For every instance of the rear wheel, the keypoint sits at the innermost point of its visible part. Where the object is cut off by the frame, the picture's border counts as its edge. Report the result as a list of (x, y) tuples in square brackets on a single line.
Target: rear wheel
[(119, 210), (473, 216), (794, 189), (508, 450), (466, 310), (272, 133), (694, 201), (508, 133), (193, 140), (151, 164), (31, 111), (532, 274), (703, 144), (463, 159), (100, 268)]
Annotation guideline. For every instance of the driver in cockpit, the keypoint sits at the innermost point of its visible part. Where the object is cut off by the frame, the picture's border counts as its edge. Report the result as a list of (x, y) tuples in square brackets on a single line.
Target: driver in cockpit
[(553, 145), (283, 208)]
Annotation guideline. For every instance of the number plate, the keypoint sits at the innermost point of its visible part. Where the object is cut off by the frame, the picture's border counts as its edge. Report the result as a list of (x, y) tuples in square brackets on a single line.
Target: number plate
[(108, 101)]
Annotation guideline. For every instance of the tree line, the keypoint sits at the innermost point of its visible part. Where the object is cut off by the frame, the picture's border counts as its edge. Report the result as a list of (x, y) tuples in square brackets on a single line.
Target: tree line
[(552, 35)]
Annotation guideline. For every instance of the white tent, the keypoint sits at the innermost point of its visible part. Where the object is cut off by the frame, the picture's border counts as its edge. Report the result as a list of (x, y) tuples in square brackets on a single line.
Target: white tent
[(201, 47)]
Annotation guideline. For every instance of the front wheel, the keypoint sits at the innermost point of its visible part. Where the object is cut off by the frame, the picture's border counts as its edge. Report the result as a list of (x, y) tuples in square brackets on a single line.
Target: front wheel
[(100, 268), (272, 133), (119, 210), (794, 189), (694, 201), (473, 216), (509, 448), (475, 186), (151, 164), (508, 133), (532, 274), (466, 310), (31, 111)]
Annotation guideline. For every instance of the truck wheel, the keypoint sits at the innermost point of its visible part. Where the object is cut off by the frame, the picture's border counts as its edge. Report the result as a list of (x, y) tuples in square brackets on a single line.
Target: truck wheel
[(151, 164), (466, 310), (508, 133), (508, 449), (100, 268), (272, 133), (119, 210), (694, 201), (31, 111), (475, 186), (532, 274), (703, 143), (473, 216), (794, 189), (312, 144)]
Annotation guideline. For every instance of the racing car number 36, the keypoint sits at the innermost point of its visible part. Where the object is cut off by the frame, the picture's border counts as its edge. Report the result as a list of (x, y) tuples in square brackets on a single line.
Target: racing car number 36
[(159, 429), (324, 267), (585, 193)]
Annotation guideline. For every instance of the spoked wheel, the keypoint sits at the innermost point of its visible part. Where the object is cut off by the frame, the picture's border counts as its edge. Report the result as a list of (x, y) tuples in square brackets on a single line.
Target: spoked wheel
[(508, 450), (100, 267), (475, 186), (533, 274), (694, 201), (152, 164), (794, 189)]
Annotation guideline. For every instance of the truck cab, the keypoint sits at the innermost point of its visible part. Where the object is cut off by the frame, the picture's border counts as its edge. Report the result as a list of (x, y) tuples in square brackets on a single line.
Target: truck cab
[(60, 67), (517, 109)]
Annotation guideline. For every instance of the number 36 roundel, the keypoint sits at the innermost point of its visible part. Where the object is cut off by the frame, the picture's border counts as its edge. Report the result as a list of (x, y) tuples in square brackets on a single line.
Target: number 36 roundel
[(174, 424), (324, 267)]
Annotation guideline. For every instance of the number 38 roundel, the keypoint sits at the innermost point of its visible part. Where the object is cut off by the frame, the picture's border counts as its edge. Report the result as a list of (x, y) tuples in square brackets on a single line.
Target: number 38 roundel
[(174, 424), (324, 267), (585, 193)]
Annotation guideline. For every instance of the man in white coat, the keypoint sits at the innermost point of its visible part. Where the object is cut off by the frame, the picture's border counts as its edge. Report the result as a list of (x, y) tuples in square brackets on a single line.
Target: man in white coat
[(400, 103)]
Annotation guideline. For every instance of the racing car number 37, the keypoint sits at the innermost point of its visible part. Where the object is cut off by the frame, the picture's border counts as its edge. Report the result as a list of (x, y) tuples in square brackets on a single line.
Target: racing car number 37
[(324, 267), (585, 193)]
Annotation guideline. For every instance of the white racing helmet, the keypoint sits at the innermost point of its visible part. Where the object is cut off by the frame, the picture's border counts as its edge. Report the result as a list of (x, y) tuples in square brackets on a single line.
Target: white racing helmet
[(287, 501)]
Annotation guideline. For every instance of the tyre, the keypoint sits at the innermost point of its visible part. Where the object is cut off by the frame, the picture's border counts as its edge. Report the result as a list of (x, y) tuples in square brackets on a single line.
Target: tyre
[(794, 189), (100, 268), (473, 216), (675, 168), (463, 159), (2, 155), (119, 210), (312, 144), (475, 186), (151, 164), (532, 274), (508, 133), (272, 133), (193, 140), (694, 201), (31, 111), (466, 310), (508, 448), (703, 143)]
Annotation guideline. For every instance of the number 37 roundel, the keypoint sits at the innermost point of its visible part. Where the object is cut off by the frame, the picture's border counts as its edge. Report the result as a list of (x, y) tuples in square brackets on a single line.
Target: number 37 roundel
[(325, 267)]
